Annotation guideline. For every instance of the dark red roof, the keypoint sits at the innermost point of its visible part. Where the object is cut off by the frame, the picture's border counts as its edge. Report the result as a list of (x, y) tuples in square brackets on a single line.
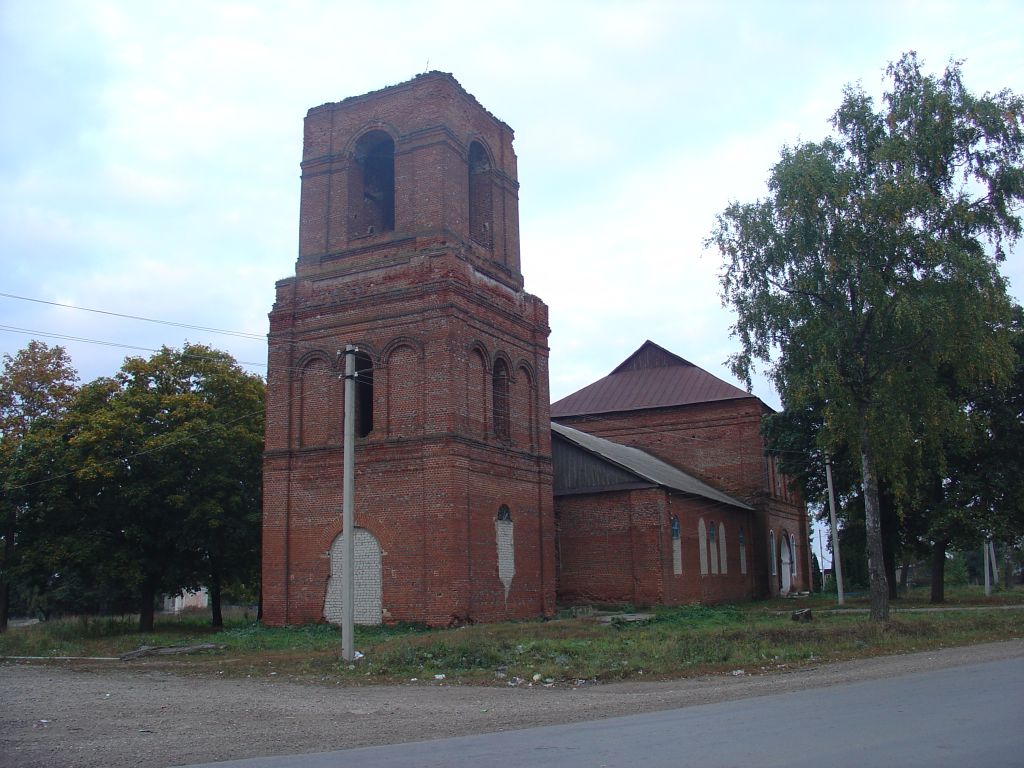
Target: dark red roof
[(652, 377)]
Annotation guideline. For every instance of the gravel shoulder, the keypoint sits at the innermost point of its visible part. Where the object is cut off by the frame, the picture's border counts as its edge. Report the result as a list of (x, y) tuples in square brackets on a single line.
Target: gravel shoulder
[(84, 716)]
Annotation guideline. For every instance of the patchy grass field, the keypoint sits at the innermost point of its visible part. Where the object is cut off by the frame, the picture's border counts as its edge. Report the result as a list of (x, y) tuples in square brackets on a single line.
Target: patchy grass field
[(675, 642)]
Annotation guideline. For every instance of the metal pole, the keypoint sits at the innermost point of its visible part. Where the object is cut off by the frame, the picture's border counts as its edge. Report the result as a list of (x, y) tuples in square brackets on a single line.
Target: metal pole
[(348, 652), (837, 566)]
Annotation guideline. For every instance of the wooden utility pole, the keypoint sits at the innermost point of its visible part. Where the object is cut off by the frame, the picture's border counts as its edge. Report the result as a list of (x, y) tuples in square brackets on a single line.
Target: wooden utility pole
[(348, 652)]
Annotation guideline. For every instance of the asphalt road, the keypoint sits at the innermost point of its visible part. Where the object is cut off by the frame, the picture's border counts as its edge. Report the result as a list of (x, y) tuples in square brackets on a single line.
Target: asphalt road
[(963, 716)]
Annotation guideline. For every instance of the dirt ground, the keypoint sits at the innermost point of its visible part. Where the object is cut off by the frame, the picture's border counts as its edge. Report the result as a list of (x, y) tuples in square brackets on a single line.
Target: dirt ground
[(120, 716)]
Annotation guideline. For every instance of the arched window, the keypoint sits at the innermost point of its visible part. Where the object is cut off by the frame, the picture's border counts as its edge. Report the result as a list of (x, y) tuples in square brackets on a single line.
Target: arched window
[(677, 547), (743, 553), (713, 547), (372, 185), (317, 414), (504, 542), (792, 555), (403, 411), (481, 206), (500, 398), (771, 553), (722, 550), (702, 545), (364, 394)]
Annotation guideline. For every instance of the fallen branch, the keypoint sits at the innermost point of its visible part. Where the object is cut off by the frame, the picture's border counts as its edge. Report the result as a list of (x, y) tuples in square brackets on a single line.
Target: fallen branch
[(149, 650)]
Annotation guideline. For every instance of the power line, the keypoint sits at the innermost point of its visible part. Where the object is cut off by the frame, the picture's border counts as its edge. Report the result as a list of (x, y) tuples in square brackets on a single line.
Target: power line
[(240, 334), (712, 448), (693, 439), (103, 343)]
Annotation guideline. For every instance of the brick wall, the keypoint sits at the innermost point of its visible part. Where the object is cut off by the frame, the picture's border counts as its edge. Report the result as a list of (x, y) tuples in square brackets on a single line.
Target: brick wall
[(433, 310), (719, 442), (429, 288), (618, 548)]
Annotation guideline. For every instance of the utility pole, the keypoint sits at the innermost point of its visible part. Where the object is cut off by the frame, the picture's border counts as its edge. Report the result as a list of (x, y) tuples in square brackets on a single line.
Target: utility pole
[(821, 551), (348, 548), (837, 567), (985, 550), (994, 562)]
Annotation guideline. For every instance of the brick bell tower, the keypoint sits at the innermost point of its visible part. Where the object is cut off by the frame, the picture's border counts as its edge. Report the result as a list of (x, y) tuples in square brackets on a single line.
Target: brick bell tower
[(409, 249)]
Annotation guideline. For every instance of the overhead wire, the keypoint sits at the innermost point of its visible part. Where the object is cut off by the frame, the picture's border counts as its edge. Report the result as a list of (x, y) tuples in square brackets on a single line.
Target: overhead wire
[(104, 343), (173, 323), (178, 324), (752, 455)]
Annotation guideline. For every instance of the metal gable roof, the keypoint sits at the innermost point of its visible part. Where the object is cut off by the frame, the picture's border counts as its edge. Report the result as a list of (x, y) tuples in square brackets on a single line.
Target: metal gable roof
[(644, 466), (652, 377)]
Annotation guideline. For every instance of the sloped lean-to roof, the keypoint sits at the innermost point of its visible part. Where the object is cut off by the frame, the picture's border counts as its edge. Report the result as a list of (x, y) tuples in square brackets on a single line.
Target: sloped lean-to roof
[(652, 377), (640, 464)]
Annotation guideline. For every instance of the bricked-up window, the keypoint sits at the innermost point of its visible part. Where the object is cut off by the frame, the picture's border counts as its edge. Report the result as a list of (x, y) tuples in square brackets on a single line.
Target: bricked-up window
[(702, 544), (504, 539), (372, 186), (713, 547), (723, 549), (500, 398), (316, 414), (476, 394), (481, 205), (677, 547), (364, 394)]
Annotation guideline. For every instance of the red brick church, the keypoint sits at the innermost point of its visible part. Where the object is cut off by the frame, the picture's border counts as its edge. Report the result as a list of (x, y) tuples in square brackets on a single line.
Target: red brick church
[(651, 486)]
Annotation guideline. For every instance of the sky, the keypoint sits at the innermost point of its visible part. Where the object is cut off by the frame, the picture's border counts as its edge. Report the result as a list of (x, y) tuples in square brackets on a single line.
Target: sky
[(149, 152)]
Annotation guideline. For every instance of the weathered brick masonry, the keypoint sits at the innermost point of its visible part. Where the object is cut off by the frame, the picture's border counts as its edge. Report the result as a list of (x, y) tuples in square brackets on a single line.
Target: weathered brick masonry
[(720, 442), (618, 547), (409, 249), (453, 398)]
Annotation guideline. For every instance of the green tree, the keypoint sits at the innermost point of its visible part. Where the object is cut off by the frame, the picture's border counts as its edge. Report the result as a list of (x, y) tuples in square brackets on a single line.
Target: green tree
[(868, 279), (984, 491), (65, 563), (223, 498), (37, 383), (156, 476)]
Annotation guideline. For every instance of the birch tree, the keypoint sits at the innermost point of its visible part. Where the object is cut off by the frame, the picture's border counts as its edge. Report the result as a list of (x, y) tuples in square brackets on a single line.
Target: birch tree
[(868, 279)]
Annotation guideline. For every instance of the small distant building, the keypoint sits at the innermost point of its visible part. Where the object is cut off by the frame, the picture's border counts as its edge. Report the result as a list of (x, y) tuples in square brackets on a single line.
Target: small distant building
[(469, 504), (186, 599)]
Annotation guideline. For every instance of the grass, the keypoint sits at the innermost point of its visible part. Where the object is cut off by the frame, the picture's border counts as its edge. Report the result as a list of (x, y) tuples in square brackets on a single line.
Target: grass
[(675, 642)]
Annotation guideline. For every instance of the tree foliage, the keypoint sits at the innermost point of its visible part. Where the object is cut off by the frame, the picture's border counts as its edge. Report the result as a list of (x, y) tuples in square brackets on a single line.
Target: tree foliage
[(154, 478), (868, 279), (37, 383)]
